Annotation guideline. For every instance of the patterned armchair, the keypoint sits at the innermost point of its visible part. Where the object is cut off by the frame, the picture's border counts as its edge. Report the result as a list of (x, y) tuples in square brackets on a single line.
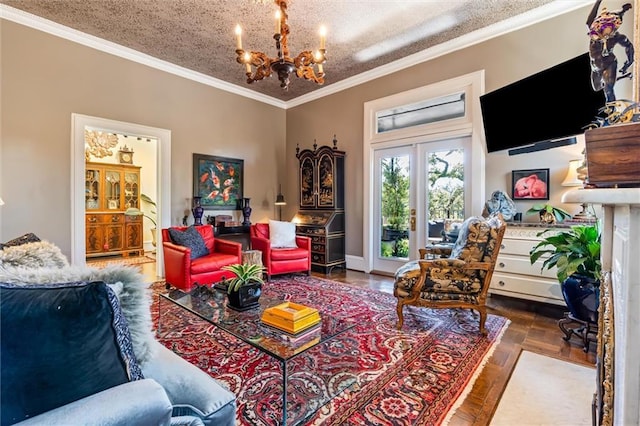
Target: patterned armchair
[(458, 281)]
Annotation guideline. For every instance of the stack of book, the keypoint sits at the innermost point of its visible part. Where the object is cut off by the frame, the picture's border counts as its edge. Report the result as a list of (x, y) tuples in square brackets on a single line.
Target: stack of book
[(292, 318)]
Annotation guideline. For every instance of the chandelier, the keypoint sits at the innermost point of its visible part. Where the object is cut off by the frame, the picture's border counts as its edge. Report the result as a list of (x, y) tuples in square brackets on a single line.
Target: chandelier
[(283, 65)]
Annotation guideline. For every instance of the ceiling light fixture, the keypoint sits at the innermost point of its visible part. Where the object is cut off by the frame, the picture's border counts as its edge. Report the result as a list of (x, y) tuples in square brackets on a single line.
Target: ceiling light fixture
[(283, 65)]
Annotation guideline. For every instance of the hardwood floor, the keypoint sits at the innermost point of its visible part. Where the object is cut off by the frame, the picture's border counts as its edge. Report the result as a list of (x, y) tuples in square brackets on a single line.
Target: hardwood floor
[(533, 327)]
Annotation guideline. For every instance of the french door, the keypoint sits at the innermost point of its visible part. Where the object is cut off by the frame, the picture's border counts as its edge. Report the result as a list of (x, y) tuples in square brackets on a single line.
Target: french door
[(418, 197)]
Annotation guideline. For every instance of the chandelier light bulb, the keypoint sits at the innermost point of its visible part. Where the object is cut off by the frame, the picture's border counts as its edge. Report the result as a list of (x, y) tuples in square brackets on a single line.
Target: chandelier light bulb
[(238, 37), (247, 62), (278, 22), (323, 36)]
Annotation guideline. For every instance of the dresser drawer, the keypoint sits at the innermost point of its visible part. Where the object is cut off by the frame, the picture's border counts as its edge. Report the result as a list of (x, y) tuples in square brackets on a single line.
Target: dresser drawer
[(541, 289), (112, 218), (519, 247), (522, 265)]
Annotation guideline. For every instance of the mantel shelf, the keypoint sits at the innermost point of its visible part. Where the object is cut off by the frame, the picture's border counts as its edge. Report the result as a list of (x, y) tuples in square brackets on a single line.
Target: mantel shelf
[(605, 196)]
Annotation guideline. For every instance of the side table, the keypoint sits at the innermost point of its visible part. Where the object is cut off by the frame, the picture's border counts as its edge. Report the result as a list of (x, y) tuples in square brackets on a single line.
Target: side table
[(252, 257)]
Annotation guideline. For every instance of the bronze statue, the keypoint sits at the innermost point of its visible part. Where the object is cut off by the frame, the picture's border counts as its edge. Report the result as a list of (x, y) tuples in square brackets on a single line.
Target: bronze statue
[(603, 37)]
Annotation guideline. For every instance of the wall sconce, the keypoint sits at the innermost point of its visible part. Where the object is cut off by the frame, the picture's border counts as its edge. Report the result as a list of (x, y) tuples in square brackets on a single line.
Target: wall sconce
[(280, 202), (572, 179), (1, 202)]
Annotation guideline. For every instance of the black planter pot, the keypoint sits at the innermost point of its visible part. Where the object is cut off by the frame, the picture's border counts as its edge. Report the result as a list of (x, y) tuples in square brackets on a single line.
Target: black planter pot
[(246, 297), (582, 296)]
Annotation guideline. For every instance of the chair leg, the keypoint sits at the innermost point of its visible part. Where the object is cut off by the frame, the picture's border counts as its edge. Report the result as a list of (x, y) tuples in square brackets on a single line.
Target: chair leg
[(483, 317), (399, 312)]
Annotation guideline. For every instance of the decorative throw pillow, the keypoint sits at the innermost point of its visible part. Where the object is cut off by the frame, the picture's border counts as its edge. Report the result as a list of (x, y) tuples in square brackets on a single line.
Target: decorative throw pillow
[(472, 240), (127, 282), (26, 238), (60, 343), (282, 234), (191, 238)]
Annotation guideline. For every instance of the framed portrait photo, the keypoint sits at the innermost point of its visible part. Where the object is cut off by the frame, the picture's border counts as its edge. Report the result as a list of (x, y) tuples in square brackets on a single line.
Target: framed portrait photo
[(532, 184), (219, 181)]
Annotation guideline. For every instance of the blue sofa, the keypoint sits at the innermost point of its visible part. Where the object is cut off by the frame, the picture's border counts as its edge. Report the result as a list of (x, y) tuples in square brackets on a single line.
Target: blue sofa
[(147, 384)]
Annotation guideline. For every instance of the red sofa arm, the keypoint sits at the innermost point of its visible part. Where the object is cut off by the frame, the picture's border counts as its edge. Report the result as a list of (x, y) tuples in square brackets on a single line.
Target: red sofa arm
[(177, 264), (303, 242), (228, 247)]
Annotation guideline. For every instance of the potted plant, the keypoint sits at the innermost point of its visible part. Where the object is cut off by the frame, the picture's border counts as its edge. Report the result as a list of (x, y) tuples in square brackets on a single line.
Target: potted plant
[(245, 289), (548, 213), (575, 253)]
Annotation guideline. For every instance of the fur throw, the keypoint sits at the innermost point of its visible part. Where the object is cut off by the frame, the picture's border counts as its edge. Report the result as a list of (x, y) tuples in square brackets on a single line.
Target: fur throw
[(127, 282), (39, 254)]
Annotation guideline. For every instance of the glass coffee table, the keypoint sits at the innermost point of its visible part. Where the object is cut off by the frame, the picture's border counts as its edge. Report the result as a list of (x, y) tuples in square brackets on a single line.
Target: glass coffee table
[(211, 305)]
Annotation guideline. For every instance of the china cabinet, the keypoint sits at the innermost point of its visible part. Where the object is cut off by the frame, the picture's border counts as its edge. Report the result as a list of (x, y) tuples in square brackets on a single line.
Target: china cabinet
[(110, 189), (321, 214)]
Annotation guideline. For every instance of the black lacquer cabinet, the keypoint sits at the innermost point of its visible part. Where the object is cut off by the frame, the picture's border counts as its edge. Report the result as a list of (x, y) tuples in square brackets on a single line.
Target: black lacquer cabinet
[(321, 214)]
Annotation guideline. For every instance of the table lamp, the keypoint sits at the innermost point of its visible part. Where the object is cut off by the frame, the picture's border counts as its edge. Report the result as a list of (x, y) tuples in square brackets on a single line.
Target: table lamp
[(280, 202), (572, 179)]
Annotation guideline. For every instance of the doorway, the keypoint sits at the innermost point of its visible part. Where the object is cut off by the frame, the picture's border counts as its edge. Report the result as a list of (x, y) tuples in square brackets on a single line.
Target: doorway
[(424, 131), (162, 178), (420, 198)]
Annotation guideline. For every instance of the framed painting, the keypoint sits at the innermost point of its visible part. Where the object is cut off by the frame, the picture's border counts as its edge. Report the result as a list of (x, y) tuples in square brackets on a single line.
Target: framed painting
[(218, 181), (532, 184)]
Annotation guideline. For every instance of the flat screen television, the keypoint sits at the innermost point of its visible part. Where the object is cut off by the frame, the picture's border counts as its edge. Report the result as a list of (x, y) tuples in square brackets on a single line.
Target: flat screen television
[(542, 109)]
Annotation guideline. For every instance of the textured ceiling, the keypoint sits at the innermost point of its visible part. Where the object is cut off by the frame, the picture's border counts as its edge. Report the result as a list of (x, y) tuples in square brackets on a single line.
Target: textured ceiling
[(199, 34)]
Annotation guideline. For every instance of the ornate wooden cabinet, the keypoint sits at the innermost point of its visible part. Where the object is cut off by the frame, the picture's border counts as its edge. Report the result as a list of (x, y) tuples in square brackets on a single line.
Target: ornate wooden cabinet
[(321, 215), (110, 189)]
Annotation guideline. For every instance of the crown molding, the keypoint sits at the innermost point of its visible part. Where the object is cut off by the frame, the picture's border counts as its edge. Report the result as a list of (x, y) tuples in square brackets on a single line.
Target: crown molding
[(531, 17)]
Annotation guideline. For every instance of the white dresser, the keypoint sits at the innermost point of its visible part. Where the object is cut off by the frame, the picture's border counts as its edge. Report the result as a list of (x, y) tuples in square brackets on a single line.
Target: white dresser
[(514, 274), (620, 404)]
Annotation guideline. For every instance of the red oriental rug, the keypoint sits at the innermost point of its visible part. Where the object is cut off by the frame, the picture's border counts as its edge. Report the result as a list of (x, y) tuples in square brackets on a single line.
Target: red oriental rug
[(416, 376)]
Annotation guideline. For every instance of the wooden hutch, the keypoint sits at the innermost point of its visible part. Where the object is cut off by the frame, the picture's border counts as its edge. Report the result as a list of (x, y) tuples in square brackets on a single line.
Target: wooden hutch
[(110, 189), (321, 214)]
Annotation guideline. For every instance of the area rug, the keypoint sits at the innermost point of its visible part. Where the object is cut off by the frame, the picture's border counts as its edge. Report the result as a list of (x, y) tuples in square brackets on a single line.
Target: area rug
[(132, 260), (411, 377), (546, 391)]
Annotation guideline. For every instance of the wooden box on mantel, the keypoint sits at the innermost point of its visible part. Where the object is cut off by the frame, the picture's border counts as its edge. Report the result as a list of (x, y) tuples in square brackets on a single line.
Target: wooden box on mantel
[(613, 155)]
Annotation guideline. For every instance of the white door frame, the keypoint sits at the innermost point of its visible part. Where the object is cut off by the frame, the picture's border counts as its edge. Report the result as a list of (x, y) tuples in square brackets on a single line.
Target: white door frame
[(163, 179), (468, 126)]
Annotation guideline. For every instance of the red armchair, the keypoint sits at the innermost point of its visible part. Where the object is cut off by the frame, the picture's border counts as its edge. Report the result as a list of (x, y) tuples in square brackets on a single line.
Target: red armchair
[(281, 260), (183, 272)]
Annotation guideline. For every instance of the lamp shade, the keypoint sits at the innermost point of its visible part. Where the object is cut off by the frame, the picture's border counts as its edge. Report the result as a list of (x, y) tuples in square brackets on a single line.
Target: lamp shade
[(572, 174), (280, 200), (1, 202)]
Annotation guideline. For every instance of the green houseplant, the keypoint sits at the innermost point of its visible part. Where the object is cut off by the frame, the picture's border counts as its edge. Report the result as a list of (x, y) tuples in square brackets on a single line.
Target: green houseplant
[(548, 213), (243, 291), (575, 253)]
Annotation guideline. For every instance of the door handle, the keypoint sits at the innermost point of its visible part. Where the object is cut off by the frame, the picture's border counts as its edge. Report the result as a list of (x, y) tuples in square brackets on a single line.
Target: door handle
[(412, 223)]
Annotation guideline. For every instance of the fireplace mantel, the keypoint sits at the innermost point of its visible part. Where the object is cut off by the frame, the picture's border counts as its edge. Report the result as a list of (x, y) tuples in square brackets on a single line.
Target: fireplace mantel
[(620, 253)]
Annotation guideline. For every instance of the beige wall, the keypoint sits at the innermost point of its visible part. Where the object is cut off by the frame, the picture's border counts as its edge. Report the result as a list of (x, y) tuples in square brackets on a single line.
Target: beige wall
[(505, 59), (44, 79)]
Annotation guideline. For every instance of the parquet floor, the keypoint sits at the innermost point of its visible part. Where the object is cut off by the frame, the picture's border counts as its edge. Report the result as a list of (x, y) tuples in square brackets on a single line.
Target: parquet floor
[(533, 327)]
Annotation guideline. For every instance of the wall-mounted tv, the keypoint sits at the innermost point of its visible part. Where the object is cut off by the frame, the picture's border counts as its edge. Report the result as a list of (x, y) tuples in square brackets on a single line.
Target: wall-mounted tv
[(553, 104)]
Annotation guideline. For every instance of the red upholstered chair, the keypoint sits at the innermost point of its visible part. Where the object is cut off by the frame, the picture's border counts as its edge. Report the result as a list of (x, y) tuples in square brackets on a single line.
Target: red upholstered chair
[(183, 272), (281, 260)]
